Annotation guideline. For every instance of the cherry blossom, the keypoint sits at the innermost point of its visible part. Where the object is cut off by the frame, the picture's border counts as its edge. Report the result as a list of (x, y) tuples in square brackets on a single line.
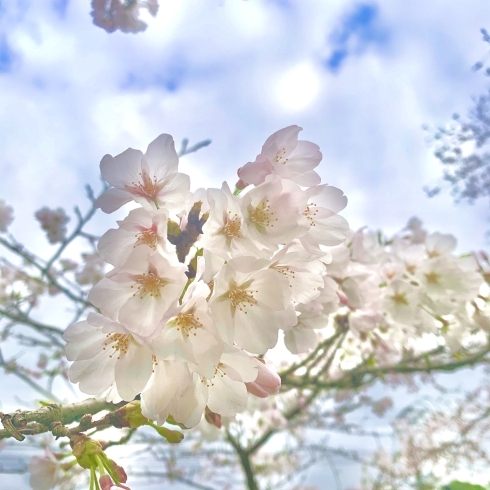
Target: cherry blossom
[(273, 212), (188, 393), (250, 306), (151, 180), (140, 227), (225, 233), (6, 216), (190, 334), (53, 222), (106, 353), (283, 155), (140, 293), (326, 227), (45, 471)]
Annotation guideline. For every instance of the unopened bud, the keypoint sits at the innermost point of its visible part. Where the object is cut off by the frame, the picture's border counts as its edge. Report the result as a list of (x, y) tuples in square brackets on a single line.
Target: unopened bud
[(267, 382), (240, 185), (106, 483), (84, 449), (129, 416), (213, 418), (117, 471)]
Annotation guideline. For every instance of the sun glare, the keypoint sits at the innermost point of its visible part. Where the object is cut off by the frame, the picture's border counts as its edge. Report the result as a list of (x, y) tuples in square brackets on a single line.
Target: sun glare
[(298, 87)]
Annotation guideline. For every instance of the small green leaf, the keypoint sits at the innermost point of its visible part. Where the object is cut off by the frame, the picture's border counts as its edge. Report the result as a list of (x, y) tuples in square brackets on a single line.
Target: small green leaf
[(172, 436), (173, 230)]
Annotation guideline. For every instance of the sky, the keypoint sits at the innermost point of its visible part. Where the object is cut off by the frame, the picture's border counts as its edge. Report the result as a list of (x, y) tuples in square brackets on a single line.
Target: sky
[(359, 77)]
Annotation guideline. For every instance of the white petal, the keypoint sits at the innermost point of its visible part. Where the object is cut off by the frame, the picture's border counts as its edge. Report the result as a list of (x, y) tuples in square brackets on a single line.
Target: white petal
[(161, 157), (95, 375), (132, 371), (300, 340), (112, 199), (122, 169), (227, 396)]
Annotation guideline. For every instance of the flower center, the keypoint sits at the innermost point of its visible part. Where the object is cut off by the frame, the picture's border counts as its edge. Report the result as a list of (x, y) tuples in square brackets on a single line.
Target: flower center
[(187, 323), (119, 343), (241, 298), (233, 228), (148, 237), (149, 283), (310, 212), (411, 268), (146, 187), (432, 277), (400, 299), (279, 158), (262, 216)]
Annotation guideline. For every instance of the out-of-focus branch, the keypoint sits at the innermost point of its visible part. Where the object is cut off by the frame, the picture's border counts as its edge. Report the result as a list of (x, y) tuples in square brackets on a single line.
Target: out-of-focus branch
[(25, 320), (82, 221), (21, 251), (12, 369), (185, 149)]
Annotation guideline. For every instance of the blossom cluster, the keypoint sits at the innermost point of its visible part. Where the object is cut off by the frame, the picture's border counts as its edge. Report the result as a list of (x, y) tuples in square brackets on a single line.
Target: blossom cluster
[(403, 295), (6, 216), (203, 282), (53, 222)]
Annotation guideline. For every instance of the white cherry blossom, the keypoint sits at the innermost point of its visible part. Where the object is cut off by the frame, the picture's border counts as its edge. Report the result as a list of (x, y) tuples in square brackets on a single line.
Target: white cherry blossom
[(273, 212), (105, 353), (285, 156), (312, 316), (225, 392), (189, 334), (140, 227), (151, 180), (53, 222), (140, 293), (401, 301), (167, 384), (303, 273), (45, 471), (225, 234), (326, 226), (250, 304), (440, 244)]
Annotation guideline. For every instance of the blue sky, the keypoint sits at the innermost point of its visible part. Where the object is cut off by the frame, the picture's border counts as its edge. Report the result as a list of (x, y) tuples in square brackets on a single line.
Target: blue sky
[(359, 29), (360, 77)]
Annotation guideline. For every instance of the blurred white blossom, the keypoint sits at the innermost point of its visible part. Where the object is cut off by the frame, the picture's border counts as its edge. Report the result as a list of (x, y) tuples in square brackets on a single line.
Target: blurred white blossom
[(53, 222), (6, 216)]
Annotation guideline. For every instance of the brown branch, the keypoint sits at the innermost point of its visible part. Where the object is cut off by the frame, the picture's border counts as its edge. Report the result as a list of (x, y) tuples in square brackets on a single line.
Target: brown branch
[(29, 422)]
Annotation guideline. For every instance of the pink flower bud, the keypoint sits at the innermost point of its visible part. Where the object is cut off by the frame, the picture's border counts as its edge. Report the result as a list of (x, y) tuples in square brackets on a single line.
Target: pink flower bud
[(106, 483), (267, 383), (213, 418), (241, 184), (344, 300), (119, 472)]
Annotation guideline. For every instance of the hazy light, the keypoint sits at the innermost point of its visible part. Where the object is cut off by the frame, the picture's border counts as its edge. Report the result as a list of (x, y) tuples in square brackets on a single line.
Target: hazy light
[(298, 87)]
